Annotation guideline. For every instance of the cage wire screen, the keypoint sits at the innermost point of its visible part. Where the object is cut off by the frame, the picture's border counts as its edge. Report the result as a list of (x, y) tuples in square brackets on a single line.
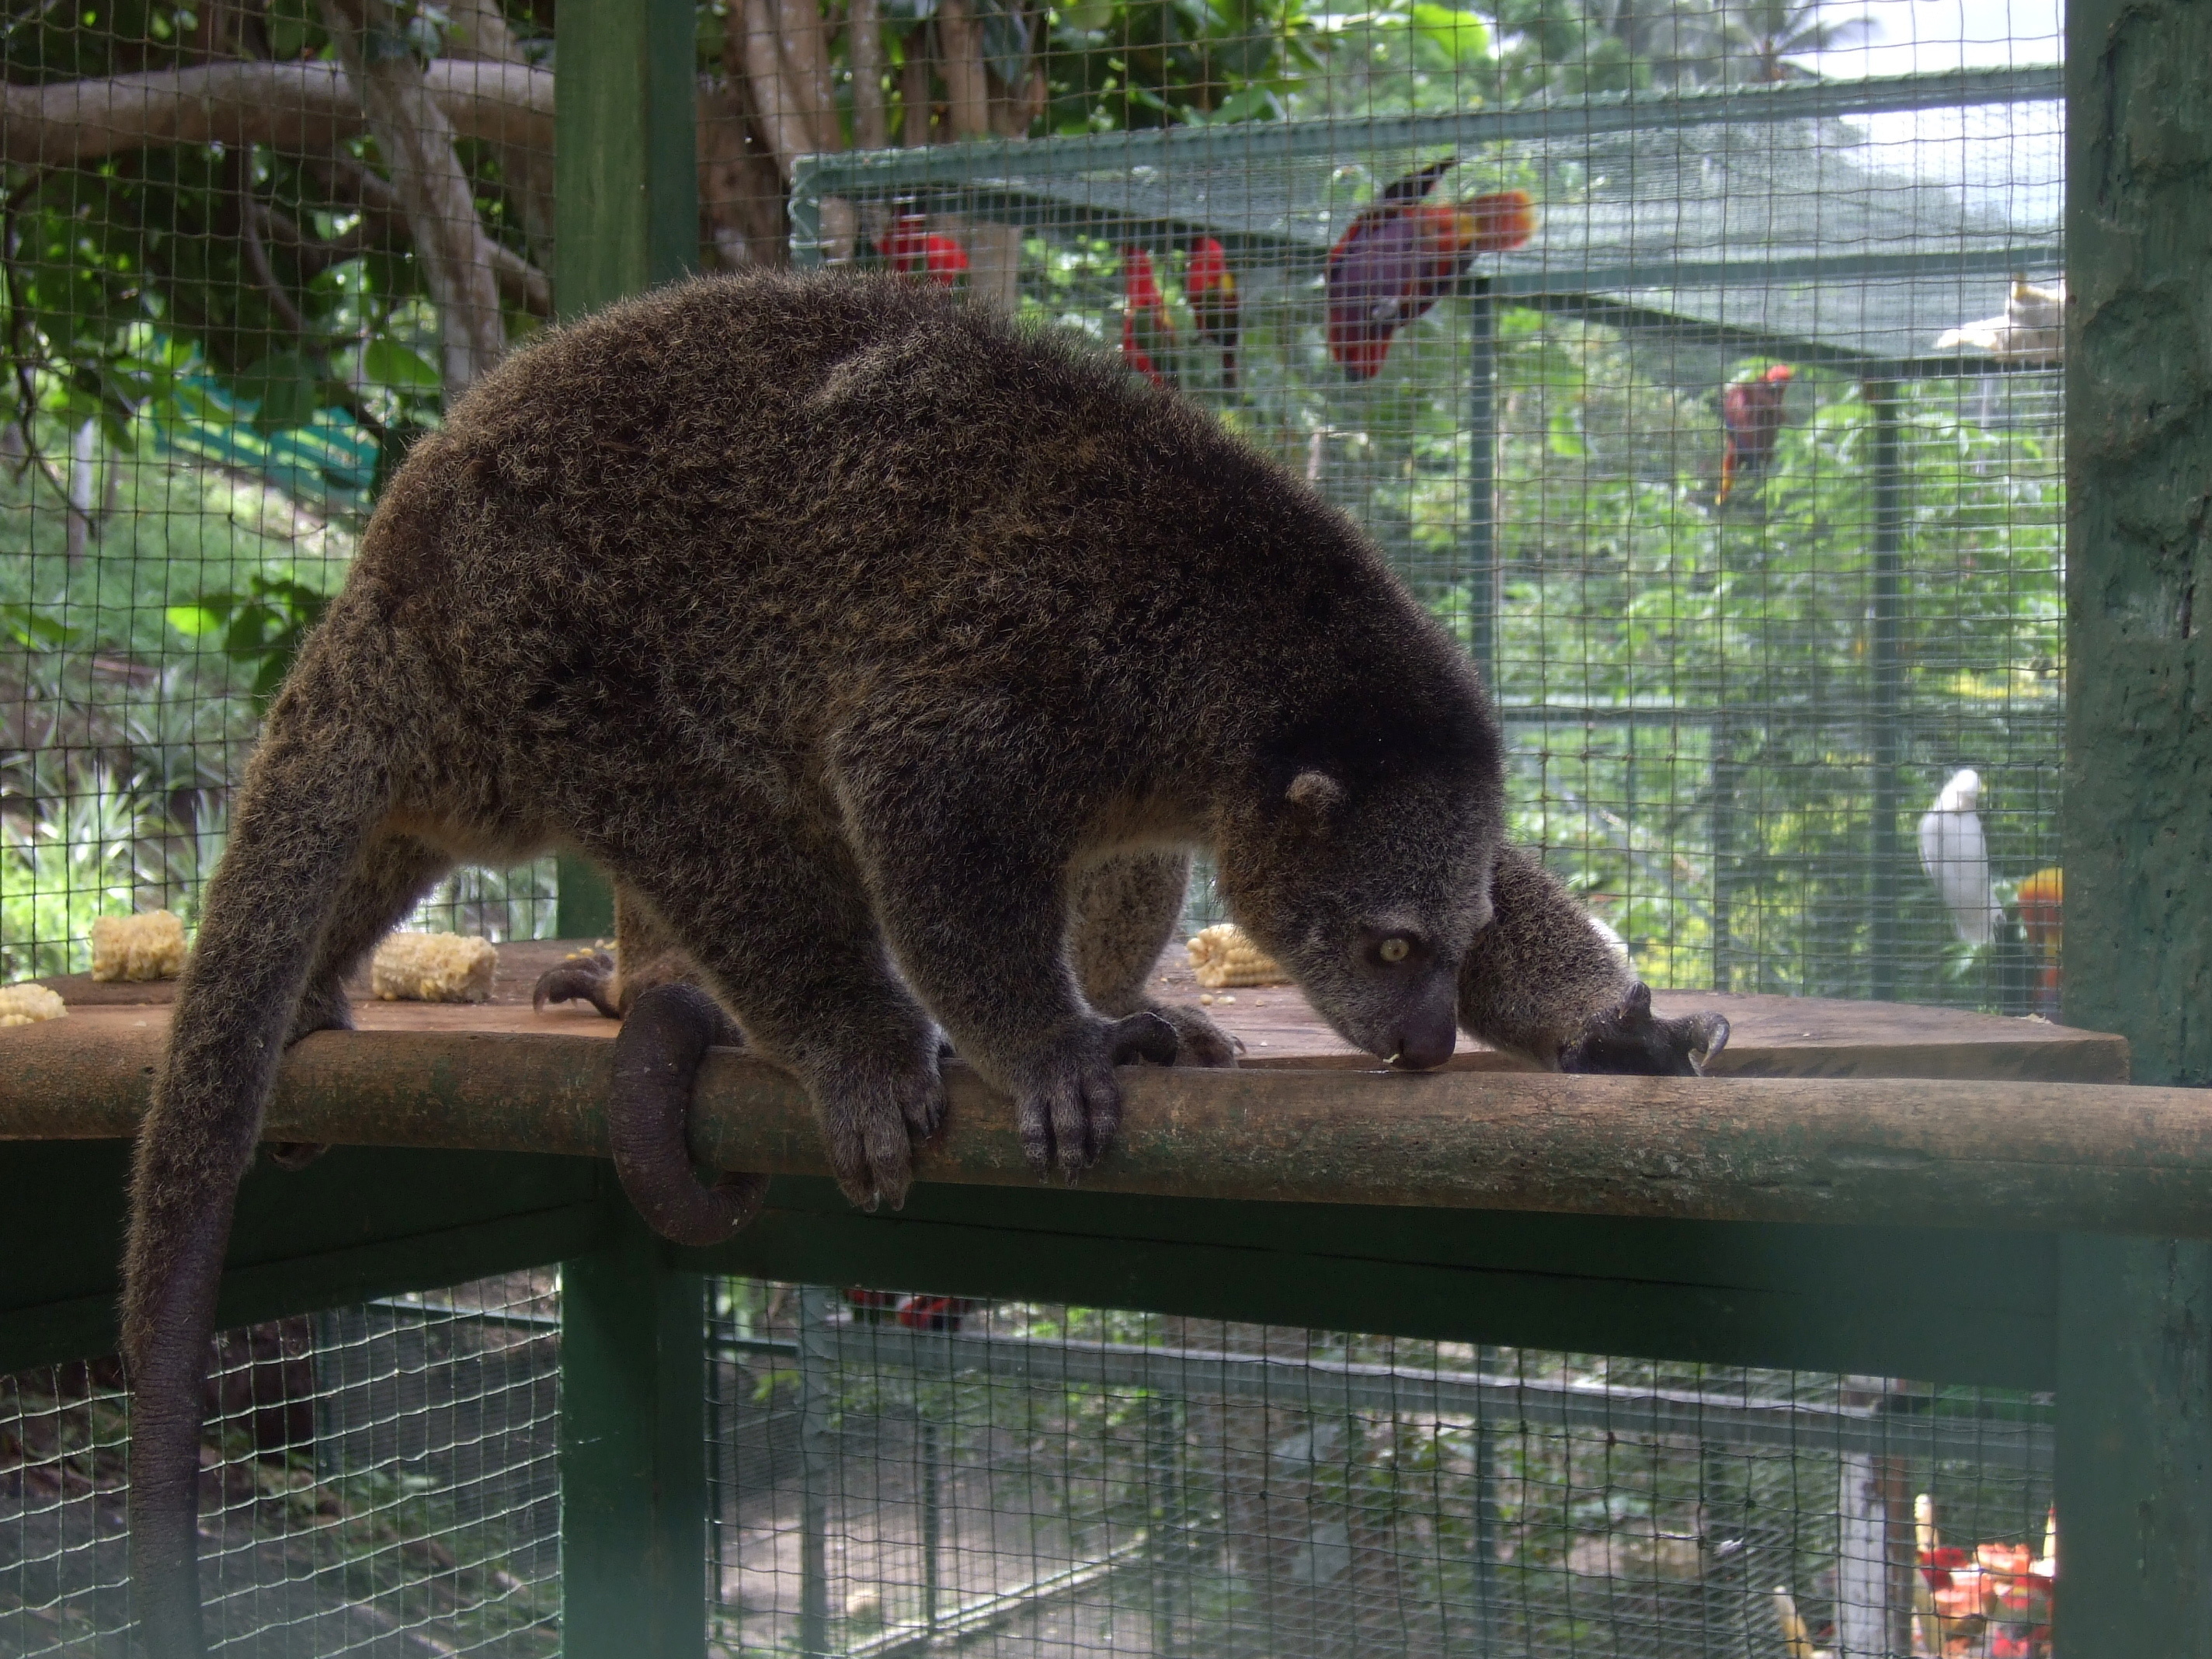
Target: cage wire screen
[(1711, 396), (902, 1473), (378, 1480)]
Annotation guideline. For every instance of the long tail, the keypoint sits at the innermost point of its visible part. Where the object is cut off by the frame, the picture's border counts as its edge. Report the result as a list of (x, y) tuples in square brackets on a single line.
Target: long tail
[(314, 791)]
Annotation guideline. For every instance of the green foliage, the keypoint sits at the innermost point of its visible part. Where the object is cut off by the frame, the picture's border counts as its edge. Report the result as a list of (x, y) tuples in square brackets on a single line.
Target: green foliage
[(260, 628)]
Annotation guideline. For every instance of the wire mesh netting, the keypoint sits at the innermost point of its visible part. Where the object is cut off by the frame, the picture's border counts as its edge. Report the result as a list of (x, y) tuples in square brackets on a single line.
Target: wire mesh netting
[(899, 1473), (1710, 395), (1678, 411), (377, 1480)]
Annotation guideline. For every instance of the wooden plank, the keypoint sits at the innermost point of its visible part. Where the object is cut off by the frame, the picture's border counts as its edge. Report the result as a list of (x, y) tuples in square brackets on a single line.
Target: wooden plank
[(2044, 1156), (1771, 1036)]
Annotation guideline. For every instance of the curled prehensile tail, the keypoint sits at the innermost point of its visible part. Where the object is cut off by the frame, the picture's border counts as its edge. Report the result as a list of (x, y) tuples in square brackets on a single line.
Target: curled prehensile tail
[(288, 909)]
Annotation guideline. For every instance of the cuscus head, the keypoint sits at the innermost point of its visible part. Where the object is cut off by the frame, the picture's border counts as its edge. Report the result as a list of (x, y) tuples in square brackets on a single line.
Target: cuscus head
[(1368, 878)]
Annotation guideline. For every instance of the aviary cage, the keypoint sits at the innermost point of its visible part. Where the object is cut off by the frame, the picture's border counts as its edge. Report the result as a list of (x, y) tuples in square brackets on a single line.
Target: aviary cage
[(1727, 705)]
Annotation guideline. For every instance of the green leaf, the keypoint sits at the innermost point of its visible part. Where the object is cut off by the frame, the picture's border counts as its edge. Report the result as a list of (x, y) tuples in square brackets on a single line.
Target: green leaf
[(1566, 434), (34, 630), (389, 363), (194, 620), (285, 391), (1465, 36)]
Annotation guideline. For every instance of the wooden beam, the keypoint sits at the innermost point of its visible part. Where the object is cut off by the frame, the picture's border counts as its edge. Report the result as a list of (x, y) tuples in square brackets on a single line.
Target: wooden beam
[(1922, 1152)]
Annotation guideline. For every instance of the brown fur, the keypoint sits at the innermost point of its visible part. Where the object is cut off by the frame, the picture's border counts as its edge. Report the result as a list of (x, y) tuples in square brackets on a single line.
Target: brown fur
[(846, 627)]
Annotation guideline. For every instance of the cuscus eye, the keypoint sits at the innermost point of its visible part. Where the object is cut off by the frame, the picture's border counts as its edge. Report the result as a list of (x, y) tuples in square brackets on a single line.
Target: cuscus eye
[(1394, 949)]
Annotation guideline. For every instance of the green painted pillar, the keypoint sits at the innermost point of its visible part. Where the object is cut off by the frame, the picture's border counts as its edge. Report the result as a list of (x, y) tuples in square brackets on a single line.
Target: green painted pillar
[(633, 1452), (632, 1429), (626, 186), (2134, 1448)]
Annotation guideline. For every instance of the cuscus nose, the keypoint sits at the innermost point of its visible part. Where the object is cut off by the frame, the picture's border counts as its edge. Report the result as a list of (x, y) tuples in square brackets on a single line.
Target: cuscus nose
[(1429, 1030)]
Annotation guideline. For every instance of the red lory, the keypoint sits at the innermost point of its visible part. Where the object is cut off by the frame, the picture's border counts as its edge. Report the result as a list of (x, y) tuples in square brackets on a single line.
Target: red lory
[(1211, 287), (1403, 252), (915, 249), (1147, 336), (1751, 423)]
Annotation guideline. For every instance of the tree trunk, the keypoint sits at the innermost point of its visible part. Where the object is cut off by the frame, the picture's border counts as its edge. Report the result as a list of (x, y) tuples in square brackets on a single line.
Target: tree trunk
[(480, 34), (416, 143)]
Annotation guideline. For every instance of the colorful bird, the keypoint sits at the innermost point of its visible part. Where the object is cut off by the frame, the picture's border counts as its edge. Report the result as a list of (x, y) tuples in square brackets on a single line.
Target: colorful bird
[(915, 249), (1147, 336), (2042, 902), (1751, 422), (1404, 253), (1955, 854), (1211, 287)]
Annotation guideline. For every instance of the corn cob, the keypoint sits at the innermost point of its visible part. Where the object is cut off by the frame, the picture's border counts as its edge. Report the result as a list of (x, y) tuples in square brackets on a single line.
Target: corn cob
[(141, 947), (1222, 956), (433, 967)]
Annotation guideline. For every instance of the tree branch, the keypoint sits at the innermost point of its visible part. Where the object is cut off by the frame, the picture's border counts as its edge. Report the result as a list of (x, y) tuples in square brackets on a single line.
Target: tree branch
[(415, 140), (302, 109)]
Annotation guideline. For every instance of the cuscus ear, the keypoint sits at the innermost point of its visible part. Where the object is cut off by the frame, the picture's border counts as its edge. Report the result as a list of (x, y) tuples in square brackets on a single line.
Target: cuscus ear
[(1314, 794)]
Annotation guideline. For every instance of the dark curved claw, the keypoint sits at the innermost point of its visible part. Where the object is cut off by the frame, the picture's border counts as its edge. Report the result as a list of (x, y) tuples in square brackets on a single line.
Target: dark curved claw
[(656, 1057), (1628, 1040), (581, 979)]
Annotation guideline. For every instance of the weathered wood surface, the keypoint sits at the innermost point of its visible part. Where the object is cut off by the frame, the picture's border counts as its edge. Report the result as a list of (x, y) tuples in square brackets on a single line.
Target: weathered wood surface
[(1772, 1036), (2018, 1154)]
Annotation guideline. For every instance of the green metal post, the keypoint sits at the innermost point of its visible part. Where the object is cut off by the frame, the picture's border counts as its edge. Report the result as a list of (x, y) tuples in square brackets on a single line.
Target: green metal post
[(1886, 698), (2135, 1318), (633, 1452), (1482, 482), (626, 184)]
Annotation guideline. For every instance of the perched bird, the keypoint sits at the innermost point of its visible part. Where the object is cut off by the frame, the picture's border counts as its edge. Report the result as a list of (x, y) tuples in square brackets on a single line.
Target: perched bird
[(1955, 854), (1751, 422), (2032, 328), (2042, 902), (1404, 253), (1211, 287), (915, 249), (1147, 334)]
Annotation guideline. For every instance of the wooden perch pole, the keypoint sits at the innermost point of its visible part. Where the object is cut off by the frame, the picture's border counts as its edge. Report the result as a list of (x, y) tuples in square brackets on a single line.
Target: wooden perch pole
[(1907, 1151)]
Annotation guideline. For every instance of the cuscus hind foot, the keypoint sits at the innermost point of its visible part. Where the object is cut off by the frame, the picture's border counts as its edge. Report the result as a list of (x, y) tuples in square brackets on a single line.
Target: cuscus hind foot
[(657, 1058), (589, 976), (1628, 1039), (1069, 1108), (1199, 1041)]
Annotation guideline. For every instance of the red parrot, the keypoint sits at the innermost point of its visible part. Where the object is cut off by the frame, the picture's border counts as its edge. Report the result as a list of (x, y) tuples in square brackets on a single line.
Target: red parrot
[(1403, 252), (915, 251), (1147, 336), (1751, 422), (1212, 287)]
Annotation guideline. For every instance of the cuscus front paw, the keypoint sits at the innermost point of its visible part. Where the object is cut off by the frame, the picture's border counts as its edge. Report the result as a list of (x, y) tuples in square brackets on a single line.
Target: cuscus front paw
[(1069, 1105), (1628, 1039), (1199, 1041), (656, 1057), (586, 977), (874, 1115)]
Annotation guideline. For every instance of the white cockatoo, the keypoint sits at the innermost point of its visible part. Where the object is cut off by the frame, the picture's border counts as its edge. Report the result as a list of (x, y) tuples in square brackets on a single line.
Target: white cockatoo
[(2032, 330), (1955, 854)]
